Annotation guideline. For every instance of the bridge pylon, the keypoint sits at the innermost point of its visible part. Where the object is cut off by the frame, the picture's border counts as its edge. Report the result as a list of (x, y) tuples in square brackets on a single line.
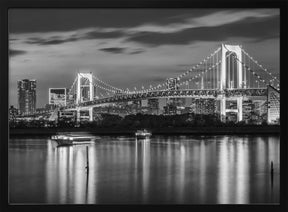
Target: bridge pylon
[(84, 92), (225, 82), (236, 49)]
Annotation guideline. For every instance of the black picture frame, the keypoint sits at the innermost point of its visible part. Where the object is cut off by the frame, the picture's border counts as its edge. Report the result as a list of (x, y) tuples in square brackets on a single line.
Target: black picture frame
[(4, 76)]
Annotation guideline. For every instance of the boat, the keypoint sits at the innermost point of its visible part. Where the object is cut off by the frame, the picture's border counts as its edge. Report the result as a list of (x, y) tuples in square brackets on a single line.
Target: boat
[(73, 139), (143, 134)]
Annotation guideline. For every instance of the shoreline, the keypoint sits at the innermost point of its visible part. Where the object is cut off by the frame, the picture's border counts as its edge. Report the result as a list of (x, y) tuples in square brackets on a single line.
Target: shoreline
[(206, 130)]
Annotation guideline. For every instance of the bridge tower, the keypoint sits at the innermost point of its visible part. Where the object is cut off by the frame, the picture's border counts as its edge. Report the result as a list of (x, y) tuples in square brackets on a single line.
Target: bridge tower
[(84, 92), (84, 80), (225, 82)]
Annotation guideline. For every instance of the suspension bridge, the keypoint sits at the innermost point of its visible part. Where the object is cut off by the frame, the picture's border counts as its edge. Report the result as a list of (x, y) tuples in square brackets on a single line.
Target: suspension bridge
[(229, 73)]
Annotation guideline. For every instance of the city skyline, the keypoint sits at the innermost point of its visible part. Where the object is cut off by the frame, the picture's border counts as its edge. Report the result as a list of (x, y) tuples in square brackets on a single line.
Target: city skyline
[(146, 45)]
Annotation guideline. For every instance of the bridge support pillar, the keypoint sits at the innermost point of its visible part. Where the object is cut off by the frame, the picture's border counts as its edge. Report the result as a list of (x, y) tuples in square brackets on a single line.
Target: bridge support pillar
[(90, 114), (239, 107), (223, 108), (78, 115)]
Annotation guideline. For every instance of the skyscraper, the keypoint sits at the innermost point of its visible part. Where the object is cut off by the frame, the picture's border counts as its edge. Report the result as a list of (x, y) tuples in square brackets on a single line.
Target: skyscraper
[(26, 96)]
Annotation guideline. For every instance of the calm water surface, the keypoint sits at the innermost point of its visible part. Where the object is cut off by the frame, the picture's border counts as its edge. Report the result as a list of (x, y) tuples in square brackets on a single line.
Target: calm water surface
[(161, 170)]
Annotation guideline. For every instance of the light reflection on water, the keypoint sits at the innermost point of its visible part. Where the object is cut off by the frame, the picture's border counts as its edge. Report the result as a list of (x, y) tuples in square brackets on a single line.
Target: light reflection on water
[(122, 170)]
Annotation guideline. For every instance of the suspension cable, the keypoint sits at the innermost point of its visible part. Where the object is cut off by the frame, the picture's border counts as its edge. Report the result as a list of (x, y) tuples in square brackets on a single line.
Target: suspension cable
[(264, 69)]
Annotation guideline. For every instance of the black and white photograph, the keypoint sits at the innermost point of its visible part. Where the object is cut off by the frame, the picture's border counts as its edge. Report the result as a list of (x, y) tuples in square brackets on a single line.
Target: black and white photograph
[(143, 106)]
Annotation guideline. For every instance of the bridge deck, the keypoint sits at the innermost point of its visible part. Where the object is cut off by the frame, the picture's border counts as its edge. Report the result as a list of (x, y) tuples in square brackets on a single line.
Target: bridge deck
[(197, 93)]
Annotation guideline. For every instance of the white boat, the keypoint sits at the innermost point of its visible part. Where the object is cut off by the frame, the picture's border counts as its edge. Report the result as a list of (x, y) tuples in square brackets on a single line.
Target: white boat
[(143, 134), (70, 139)]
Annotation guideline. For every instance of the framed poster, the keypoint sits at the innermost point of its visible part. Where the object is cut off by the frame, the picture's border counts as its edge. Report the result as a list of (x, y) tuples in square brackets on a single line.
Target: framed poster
[(144, 105)]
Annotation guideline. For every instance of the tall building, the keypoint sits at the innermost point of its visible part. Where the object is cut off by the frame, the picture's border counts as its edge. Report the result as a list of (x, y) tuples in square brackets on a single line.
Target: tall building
[(135, 106), (26, 96), (58, 96)]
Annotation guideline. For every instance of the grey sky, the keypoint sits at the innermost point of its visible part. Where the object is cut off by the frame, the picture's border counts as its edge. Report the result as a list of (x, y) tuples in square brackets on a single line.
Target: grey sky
[(131, 47)]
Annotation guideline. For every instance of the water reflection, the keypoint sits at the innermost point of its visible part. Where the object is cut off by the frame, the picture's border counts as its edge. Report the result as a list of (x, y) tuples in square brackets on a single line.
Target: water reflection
[(186, 169), (223, 172), (202, 171), (144, 146), (67, 176)]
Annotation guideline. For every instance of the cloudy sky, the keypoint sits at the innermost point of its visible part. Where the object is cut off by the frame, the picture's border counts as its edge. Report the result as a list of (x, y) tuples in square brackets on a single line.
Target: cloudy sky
[(130, 47)]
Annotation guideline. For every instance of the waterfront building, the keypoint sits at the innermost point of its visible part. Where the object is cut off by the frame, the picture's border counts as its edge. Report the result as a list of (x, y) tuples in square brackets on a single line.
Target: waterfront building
[(170, 109), (70, 98), (68, 117), (153, 105), (13, 112), (259, 111), (178, 102), (145, 110), (58, 96), (247, 107), (50, 107), (67, 114), (203, 106), (41, 110), (162, 104), (136, 106), (26, 96), (231, 117), (182, 110), (260, 107), (186, 110), (144, 103), (193, 106), (273, 106)]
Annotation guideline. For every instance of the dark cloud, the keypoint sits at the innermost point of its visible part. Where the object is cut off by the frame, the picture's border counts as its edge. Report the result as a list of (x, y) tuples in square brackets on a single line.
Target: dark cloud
[(136, 51), (119, 50), (114, 50), (253, 28), (51, 41), (14, 52), (47, 20), (54, 40), (103, 35)]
